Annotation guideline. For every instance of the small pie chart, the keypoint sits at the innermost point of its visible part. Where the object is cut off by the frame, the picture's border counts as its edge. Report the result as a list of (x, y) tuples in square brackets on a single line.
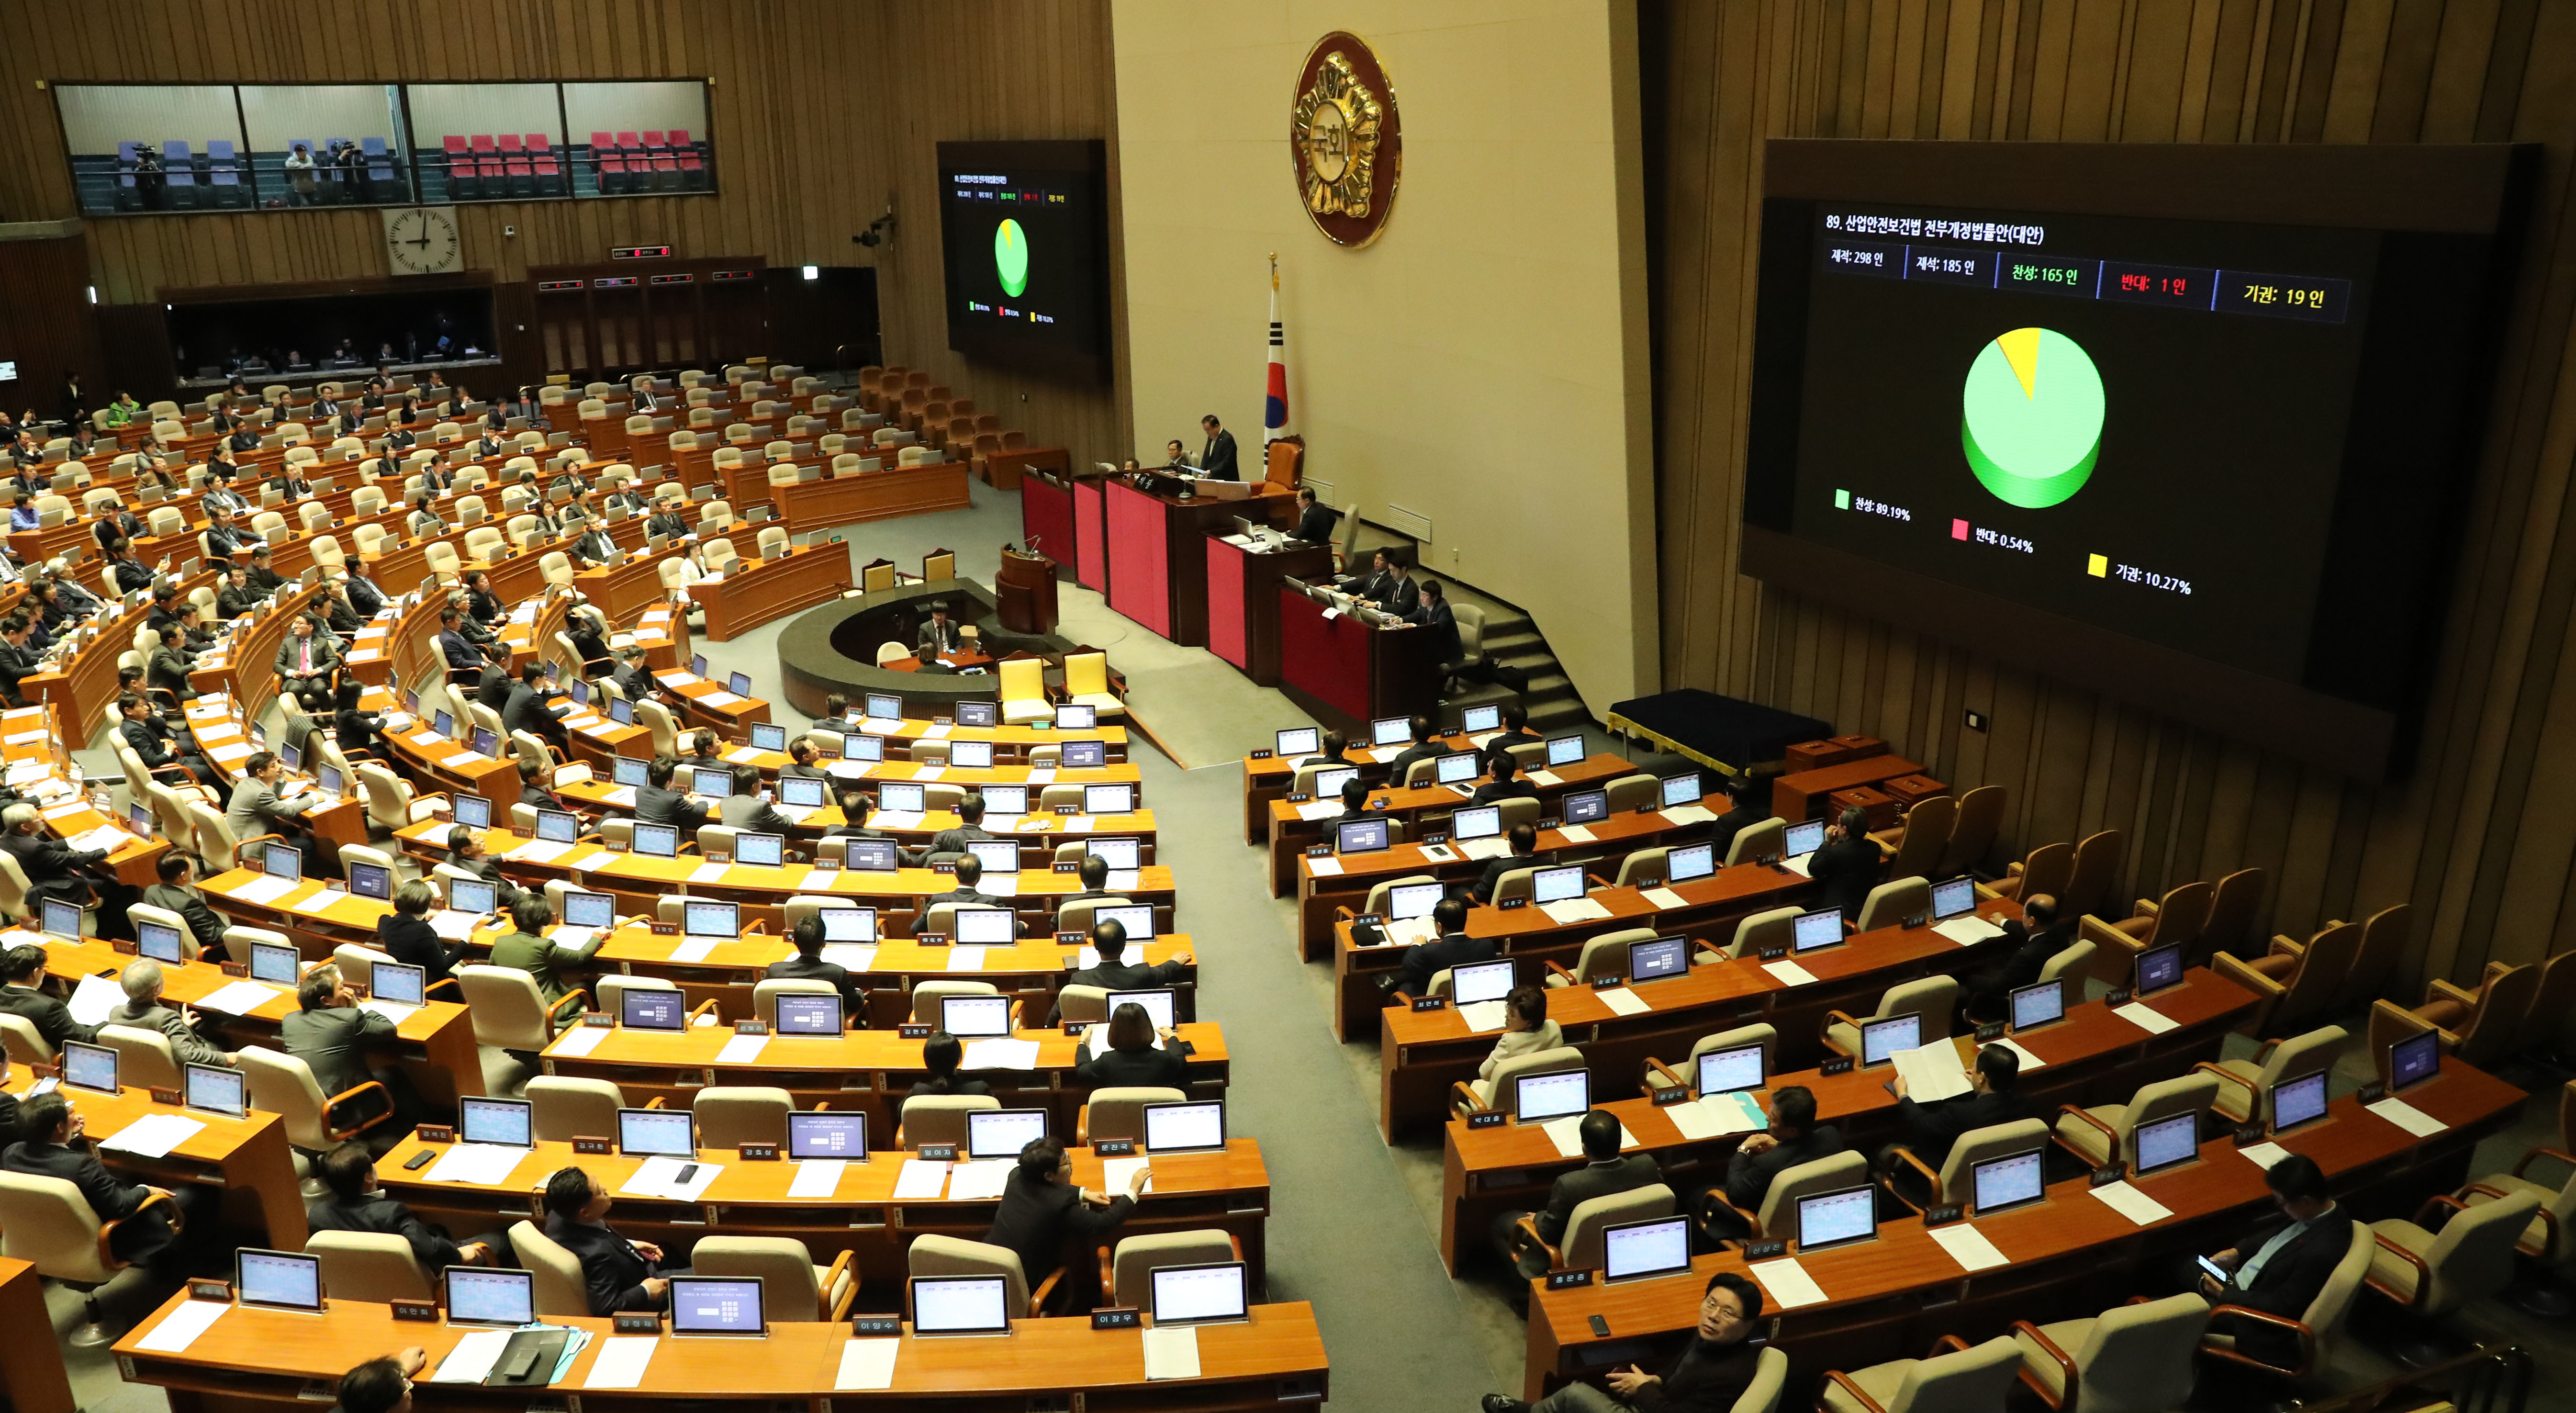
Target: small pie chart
[(1011, 257), (2031, 417)]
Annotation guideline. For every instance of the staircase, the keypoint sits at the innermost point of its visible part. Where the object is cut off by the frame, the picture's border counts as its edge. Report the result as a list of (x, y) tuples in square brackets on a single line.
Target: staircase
[(1512, 640)]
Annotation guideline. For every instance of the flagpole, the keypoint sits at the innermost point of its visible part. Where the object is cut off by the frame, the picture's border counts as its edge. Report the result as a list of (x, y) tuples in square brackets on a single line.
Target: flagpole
[(1274, 418)]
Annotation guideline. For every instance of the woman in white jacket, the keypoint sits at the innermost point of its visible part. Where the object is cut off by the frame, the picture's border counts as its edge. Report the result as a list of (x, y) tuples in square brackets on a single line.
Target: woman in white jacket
[(1526, 1029)]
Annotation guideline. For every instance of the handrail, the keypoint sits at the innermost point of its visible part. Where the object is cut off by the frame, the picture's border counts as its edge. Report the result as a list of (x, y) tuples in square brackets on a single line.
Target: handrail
[(2493, 1378)]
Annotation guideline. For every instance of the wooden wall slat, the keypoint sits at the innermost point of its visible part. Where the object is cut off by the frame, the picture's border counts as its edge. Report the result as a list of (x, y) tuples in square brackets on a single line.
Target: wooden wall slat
[(2482, 837)]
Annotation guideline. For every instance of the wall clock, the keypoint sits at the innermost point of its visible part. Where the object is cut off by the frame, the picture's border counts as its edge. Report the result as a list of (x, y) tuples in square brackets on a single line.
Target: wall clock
[(422, 240)]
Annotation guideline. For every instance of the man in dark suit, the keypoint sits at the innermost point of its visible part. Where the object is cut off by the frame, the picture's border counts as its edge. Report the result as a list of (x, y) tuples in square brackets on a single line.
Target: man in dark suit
[(533, 791), (2031, 940), (970, 871), (177, 892), (854, 809), (18, 661), (632, 676), (128, 572), (1094, 873), (364, 595), (1114, 973), (1314, 522), (1711, 1374), (1452, 948), (1523, 840), (1931, 1130), (155, 743), (492, 689), (1434, 613), (1605, 1172), (1421, 749), (753, 815), (333, 1038), (1334, 746), (2280, 1271), (459, 651), (620, 1274), (53, 868), (808, 965), (305, 664), (1746, 808), (1847, 864), (168, 669), (53, 1145), (1398, 595), (22, 970), (657, 803), (1372, 582), (1217, 462), (525, 708), (801, 762), (1793, 1138), (937, 633), (1506, 784), (358, 1203), (970, 829)]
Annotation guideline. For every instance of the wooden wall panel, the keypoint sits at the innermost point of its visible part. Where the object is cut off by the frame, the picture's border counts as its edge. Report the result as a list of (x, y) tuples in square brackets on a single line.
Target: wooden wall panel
[(2483, 837), (821, 111)]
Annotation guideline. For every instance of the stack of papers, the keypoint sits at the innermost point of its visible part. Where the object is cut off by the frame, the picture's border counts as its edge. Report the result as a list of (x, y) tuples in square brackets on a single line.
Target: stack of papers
[(265, 890), (920, 1181), (1482, 1016), (1413, 931), (2132, 1204), (1572, 910), (1713, 1114), (1544, 779), (1968, 930), (1969, 1247), (1789, 973), (1688, 814), (453, 925), (95, 999), (106, 836), (867, 1364), (2408, 1117), (2145, 1017), (154, 1135), (817, 1179), (1172, 1353), (1932, 1072), (1665, 898), (238, 998), (481, 1164), (979, 1182), (1116, 1173), (1000, 1055), (621, 1361), (1787, 1283), (741, 1050), (2263, 1155), (1314, 810), (472, 1358), (1623, 1001), (1490, 847), (1576, 833), (660, 1177)]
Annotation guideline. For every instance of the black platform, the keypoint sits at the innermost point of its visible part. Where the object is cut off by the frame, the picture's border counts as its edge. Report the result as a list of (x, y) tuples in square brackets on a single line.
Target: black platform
[(833, 648), (1737, 737)]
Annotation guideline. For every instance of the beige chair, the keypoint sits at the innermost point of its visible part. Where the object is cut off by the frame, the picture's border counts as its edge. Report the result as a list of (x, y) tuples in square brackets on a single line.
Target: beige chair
[(1502, 1093), (47, 1223), (1580, 1247), (1894, 901), (2109, 1132), (2043, 874), (23, 1043), (2245, 1086), (2070, 964), (928, 995), (561, 1289), (1917, 844), (731, 1115), (1627, 792), (2432, 1276), (144, 1057), (2177, 918), (1762, 1033), (1960, 1380), (2551, 1237), (1934, 998), (2477, 1027), (2296, 982), (562, 1108), (765, 993), (509, 1012), (284, 1085), (1602, 956), (1977, 1145), (1077, 917), (2133, 1358), (1128, 1273), (1755, 932), (2319, 1328), (938, 1118), (1119, 1111), (376, 1267), (2383, 942), (1972, 831), (1758, 840), (934, 1255), (357, 963), (790, 1283), (1777, 1213), (1088, 1004)]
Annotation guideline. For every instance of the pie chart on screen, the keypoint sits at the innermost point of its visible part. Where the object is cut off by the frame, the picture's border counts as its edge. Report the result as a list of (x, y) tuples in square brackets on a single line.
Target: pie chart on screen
[(1011, 257), (2031, 417)]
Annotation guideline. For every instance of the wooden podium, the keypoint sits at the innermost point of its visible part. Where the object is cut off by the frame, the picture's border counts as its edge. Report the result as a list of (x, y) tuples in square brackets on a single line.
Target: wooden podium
[(1026, 593)]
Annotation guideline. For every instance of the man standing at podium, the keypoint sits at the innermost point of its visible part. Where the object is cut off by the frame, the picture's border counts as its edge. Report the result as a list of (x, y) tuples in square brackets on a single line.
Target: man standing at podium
[(1217, 462)]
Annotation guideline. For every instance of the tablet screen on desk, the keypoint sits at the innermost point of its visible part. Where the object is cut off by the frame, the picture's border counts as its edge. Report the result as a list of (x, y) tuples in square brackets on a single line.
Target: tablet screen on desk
[(1587, 807), (996, 855), (161, 942), (2038, 1004), (1002, 1133), (1459, 768), (622, 712), (1136, 918), (1832, 1218), (858, 745), (277, 861), (216, 1089), (713, 781), (1412, 900), (2298, 1101), (394, 981), (1476, 822), (702, 919), (1550, 1096), (652, 1008), (1802, 838), (985, 927), (800, 791), (1633, 1251), (1003, 801), (1119, 854), (511, 1123), (471, 895), (1390, 731), (1157, 1001), (1076, 716), (90, 1067), (1564, 750), (628, 771), (1821, 928), (848, 924), (371, 881), (972, 1017), (592, 910), (657, 841), (1689, 861), (882, 706), (1481, 718), (1196, 1127), (1297, 741), (1482, 981), (1118, 798), (1556, 885), (2158, 968), (1880, 1040), (902, 797), (276, 963), (487, 1297), (812, 1136), (760, 850), (278, 1280), (701, 1305), (870, 855), (557, 826), (2006, 1182), (973, 755), (1212, 1294), (1681, 790), (1084, 755), (487, 742), (800, 1014), (2414, 1059), (1360, 836), (1657, 958), (2165, 1142), (960, 1305), (473, 811), (976, 714), (1726, 1071), (656, 1133), (1953, 897)]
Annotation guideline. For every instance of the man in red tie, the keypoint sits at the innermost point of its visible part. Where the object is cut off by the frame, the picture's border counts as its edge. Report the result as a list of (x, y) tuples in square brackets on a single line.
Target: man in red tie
[(305, 665)]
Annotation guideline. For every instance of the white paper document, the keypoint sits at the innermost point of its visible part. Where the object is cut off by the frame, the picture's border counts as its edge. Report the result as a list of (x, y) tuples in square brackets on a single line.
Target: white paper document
[(2263, 1155), (1571, 910), (693, 949), (238, 998), (1576, 834), (265, 890), (621, 1361), (1324, 868), (1000, 1055), (394, 1011), (1932, 1072), (1968, 930), (895, 819), (2132, 1204), (850, 956), (472, 1358), (453, 925), (2029, 1061), (867, 1364), (741, 1050), (816, 1179), (1493, 847), (318, 900), (1969, 1247), (1314, 810), (920, 1181), (2144, 1017), (1714, 1114), (95, 999), (1482, 1016), (1544, 779), (718, 699), (979, 1182), (154, 1135), (1798, 865), (660, 1177), (539, 851), (180, 1327), (1789, 973), (1787, 1283), (1665, 898), (482, 1164), (580, 1040), (2407, 1117), (1688, 814), (741, 754), (708, 873), (1172, 1352), (968, 958), (1623, 1001)]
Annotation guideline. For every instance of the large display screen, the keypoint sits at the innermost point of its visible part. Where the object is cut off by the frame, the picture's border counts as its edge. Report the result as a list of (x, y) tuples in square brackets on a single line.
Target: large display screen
[(1023, 237), (2156, 429)]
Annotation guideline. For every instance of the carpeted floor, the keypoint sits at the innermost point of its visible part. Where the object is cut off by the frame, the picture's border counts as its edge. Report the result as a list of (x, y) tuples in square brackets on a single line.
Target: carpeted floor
[(1353, 1221)]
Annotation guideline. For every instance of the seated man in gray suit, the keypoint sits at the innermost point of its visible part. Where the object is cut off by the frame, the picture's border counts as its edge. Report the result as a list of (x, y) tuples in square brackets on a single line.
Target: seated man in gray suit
[(1605, 1172)]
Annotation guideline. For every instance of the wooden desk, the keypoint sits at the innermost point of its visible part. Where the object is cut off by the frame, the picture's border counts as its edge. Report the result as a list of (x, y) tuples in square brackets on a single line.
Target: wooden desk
[(31, 1378), (1005, 470), (2092, 1056), (1801, 795), (1890, 1298), (247, 1158), (958, 659), (435, 1044), (1157, 568), (1229, 1191), (1293, 828), (873, 495), (1243, 600), (1268, 777), (1346, 673), (273, 1356), (1038, 834), (757, 590), (1011, 744), (866, 1071)]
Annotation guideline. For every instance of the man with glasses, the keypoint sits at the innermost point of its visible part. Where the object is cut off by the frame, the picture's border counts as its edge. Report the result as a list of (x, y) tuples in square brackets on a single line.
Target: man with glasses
[(1707, 1377)]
